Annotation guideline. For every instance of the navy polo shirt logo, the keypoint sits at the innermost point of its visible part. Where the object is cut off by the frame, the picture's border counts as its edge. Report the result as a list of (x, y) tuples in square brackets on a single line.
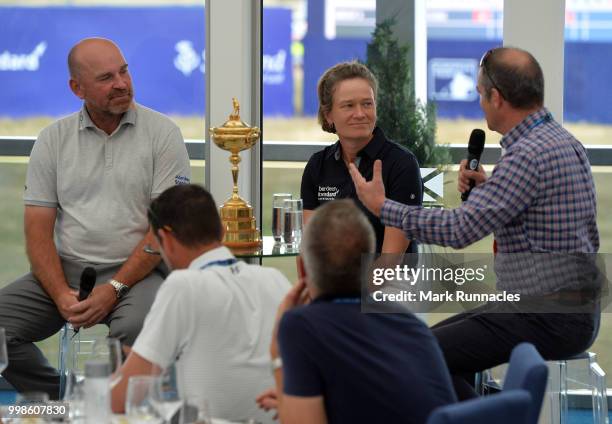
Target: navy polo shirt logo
[(327, 193)]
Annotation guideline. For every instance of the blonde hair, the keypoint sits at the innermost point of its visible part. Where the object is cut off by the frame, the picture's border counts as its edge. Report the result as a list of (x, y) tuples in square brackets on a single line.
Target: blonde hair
[(329, 80)]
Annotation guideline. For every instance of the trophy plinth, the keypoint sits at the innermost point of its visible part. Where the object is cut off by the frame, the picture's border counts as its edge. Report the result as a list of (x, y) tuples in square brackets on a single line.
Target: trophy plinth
[(236, 214)]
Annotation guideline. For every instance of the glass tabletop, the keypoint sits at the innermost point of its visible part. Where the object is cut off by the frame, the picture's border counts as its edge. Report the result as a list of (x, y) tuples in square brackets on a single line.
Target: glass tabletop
[(269, 249)]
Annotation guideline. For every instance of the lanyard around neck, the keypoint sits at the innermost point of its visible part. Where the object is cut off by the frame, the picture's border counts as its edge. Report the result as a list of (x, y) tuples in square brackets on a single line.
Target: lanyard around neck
[(540, 121), (221, 262)]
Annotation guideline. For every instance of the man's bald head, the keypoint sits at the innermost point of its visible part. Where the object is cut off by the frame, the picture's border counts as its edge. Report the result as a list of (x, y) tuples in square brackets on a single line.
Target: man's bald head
[(86, 50), (518, 76), (99, 76)]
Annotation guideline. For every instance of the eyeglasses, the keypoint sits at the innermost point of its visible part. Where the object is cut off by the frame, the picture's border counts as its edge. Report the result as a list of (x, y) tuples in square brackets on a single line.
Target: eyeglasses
[(483, 65)]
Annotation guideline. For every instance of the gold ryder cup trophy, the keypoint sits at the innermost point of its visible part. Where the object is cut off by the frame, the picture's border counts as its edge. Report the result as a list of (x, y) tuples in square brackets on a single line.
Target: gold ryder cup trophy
[(236, 214)]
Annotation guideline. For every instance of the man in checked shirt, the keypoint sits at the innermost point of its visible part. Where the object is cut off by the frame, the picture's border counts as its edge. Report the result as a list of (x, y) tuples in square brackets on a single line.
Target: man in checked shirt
[(539, 203)]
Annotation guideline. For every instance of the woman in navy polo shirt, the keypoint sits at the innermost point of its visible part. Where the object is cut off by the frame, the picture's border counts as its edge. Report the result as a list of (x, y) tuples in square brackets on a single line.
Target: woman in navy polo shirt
[(347, 107)]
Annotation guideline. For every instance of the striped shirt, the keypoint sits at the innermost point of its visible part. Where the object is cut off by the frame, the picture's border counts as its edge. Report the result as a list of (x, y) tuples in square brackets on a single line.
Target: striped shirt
[(540, 198)]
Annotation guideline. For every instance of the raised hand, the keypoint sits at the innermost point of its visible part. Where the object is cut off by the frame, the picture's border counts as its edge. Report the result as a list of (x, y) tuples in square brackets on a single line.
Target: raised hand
[(372, 193)]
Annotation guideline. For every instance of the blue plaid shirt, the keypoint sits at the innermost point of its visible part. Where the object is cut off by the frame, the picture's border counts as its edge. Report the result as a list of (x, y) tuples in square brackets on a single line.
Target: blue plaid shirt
[(540, 198)]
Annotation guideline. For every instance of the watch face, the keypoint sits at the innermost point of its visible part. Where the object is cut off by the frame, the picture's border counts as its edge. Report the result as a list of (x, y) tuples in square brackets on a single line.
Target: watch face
[(122, 291)]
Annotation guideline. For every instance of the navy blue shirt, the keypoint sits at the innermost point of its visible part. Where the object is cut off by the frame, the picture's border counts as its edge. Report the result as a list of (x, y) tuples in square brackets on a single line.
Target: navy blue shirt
[(370, 368), (326, 177)]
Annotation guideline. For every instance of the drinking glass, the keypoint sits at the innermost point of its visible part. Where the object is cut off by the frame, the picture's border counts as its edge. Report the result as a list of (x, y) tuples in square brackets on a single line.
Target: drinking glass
[(169, 404), (143, 394), (75, 395), (3, 354), (278, 200), (294, 222), (108, 349)]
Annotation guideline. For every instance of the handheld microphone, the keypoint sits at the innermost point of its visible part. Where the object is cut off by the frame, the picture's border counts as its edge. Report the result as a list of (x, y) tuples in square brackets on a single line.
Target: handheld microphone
[(475, 148), (88, 281)]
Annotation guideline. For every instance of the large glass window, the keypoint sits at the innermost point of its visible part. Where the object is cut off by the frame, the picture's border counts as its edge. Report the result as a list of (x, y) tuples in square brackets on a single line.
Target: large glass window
[(588, 53), (457, 35), (166, 61), (285, 25)]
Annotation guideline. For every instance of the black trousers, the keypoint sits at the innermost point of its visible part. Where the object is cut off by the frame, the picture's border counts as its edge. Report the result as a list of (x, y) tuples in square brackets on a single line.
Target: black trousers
[(484, 338)]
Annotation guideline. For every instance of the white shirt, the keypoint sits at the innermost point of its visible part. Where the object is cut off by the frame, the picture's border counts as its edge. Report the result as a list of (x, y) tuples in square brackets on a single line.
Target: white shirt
[(216, 321)]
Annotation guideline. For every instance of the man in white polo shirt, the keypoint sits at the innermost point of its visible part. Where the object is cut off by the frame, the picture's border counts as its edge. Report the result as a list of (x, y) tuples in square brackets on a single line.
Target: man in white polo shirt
[(90, 180), (213, 315)]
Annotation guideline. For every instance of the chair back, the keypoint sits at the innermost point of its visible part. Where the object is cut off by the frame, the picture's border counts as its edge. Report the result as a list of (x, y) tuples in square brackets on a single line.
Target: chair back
[(507, 407), (528, 371)]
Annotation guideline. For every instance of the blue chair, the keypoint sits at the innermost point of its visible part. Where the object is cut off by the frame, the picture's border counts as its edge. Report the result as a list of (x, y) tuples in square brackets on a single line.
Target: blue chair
[(507, 407), (587, 375), (527, 370), (578, 374)]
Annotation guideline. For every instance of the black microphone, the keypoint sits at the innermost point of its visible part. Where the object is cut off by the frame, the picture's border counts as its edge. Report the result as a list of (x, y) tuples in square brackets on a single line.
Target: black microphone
[(88, 281), (475, 148)]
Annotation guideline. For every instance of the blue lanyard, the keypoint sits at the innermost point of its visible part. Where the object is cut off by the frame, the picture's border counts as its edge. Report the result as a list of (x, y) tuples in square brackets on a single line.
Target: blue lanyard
[(540, 121), (221, 262)]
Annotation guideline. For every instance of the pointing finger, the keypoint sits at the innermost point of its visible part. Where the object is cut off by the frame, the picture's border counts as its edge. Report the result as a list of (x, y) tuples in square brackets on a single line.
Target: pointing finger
[(356, 175), (377, 177)]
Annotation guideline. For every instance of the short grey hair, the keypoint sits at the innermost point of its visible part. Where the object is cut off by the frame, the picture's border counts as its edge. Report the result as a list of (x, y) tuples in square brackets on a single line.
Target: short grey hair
[(335, 238)]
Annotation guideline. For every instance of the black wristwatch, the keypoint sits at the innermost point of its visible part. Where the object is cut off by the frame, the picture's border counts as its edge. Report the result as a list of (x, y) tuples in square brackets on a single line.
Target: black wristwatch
[(120, 288)]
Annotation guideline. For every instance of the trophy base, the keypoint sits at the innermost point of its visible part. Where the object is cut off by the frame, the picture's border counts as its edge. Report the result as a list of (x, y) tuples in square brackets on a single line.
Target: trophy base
[(243, 245), (240, 225)]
